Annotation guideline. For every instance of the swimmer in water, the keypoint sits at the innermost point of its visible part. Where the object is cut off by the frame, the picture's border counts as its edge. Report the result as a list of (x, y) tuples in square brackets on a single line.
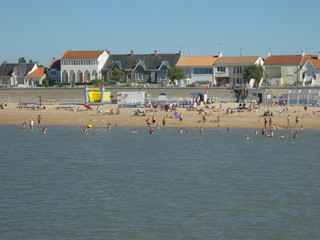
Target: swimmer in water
[(295, 135), (180, 131), (247, 137), (282, 136), (44, 130), (134, 131)]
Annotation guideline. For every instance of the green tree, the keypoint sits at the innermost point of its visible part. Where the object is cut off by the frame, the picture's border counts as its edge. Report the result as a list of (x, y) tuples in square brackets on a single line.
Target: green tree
[(97, 82), (176, 73), (117, 74), (254, 72), (45, 82), (22, 60), (30, 61)]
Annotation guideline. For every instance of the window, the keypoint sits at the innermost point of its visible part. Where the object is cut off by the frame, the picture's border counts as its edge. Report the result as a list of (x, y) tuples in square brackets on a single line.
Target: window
[(202, 71), (162, 75), (221, 69), (237, 70), (139, 76), (290, 70)]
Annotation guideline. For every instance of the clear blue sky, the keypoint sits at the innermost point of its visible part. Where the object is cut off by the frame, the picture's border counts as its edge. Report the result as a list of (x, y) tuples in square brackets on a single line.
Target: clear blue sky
[(40, 30)]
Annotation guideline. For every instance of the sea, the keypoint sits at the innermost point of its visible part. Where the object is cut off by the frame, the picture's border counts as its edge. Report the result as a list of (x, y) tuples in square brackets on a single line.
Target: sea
[(118, 185)]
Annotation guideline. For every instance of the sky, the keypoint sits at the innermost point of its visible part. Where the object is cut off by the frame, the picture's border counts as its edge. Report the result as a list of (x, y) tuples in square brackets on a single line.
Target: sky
[(40, 30)]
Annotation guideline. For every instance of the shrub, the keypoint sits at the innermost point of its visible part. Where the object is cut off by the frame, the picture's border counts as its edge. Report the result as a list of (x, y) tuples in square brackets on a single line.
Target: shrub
[(97, 82), (45, 82)]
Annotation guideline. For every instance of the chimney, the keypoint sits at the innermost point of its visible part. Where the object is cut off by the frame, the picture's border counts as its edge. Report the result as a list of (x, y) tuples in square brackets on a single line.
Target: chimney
[(219, 54), (302, 53), (132, 52), (180, 53), (318, 55), (156, 52), (109, 52)]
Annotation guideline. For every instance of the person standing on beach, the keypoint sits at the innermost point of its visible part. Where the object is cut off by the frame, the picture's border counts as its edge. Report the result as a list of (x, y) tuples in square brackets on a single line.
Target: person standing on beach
[(288, 120), (270, 123), (265, 123), (163, 122), (180, 117), (39, 119), (297, 121)]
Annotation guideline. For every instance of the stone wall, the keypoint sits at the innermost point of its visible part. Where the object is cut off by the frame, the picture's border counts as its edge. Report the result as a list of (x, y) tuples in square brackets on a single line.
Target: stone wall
[(76, 95)]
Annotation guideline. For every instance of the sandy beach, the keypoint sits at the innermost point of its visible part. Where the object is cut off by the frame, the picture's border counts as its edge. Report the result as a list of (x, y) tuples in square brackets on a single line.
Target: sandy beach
[(215, 115)]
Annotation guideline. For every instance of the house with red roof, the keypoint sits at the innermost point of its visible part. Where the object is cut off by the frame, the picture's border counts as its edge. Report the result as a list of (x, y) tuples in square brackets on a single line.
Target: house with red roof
[(228, 71), (197, 68), (82, 66), (311, 70), (285, 70), (35, 77), (219, 70)]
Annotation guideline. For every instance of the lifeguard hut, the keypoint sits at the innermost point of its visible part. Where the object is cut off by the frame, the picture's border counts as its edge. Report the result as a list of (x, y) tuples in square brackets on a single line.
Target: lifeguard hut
[(96, 96)]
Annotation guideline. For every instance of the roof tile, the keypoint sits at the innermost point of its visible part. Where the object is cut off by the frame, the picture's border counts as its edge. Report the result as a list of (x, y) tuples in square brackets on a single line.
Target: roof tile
[(237, 60), (81, 54), (189, 61), (38, 73)]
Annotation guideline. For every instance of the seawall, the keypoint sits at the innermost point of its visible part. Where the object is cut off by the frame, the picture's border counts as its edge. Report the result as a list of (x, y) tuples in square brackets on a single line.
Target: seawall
[(76, 94)]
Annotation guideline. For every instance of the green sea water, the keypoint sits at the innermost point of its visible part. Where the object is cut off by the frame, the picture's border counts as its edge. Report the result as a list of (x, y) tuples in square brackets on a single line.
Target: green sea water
[(119, 185)]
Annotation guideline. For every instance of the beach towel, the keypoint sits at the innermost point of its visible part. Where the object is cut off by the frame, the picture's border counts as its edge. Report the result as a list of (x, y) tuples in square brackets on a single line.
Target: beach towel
[(176, 115)]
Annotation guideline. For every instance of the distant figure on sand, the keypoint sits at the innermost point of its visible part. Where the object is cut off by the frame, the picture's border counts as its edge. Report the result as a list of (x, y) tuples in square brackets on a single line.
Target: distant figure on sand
[(109, 127), (39, 119), (297, 121), (288, 120)]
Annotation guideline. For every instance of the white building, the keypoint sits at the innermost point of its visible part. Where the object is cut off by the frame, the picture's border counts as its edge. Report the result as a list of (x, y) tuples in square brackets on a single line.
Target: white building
[(82, 66), (198, 68), (228, 71)]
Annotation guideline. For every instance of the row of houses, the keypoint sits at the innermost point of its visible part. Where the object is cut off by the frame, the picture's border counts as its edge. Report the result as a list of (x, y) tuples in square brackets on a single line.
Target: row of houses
[(218, 70)]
